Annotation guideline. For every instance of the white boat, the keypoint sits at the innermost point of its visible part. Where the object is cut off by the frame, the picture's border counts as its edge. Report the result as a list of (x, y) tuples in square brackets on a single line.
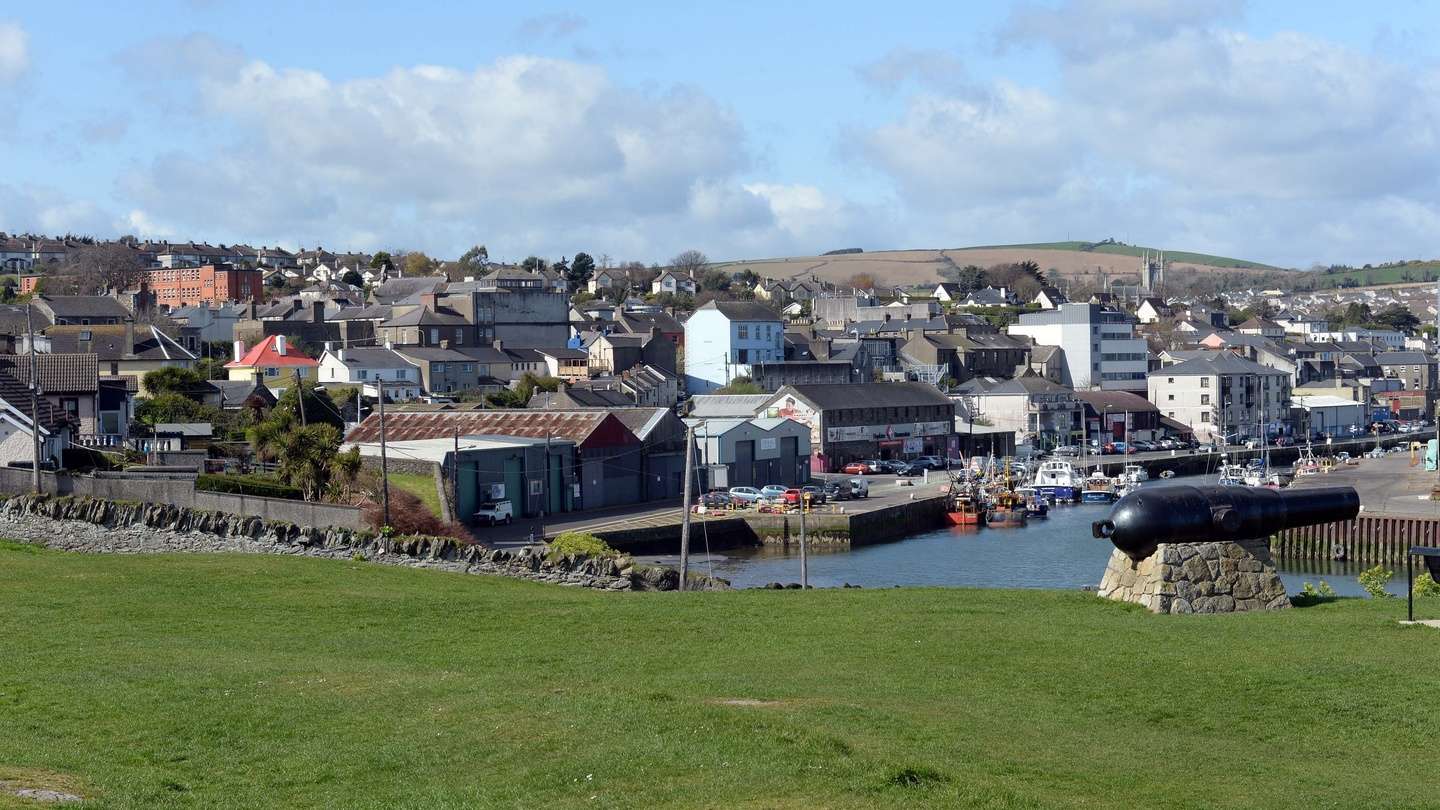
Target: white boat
[(1135, 475), (1058, 480), (1232, 475)]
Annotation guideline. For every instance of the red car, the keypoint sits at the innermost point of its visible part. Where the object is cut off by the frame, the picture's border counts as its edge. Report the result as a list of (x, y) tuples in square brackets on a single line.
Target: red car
[(793, 496), (856, 468)]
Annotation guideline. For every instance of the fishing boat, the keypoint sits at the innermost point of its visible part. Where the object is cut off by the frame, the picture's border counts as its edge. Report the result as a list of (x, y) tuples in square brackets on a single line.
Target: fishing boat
[(1036, 504), (965, 507), (1058, 480), (1231, 475), (1135, 474), (1098, 488), (1007, 510)]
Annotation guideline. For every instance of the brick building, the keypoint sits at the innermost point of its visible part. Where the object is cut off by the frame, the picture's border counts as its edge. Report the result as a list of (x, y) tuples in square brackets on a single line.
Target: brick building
[(210, 284)]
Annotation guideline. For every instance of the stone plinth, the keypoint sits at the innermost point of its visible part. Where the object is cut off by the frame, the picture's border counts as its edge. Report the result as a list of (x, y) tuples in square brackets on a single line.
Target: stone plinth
[(1218, 577)]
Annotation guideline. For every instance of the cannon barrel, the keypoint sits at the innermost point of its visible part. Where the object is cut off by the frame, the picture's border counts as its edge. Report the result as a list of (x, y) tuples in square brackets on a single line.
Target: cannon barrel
[(1146, 518)]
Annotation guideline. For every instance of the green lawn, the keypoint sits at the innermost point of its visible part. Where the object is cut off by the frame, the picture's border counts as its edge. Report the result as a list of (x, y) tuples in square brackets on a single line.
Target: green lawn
[(421, 486), (240, 681)]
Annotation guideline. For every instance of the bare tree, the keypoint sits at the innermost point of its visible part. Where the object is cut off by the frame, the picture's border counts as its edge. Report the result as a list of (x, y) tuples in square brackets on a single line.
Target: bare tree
[(690, 262), (96, 268)]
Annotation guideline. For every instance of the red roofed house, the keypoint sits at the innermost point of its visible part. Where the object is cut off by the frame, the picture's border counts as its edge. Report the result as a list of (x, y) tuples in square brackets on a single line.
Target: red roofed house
[(271, 362)]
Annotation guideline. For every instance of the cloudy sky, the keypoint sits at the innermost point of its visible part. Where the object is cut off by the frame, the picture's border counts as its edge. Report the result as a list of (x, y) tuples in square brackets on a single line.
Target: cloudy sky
[(1288, 132)]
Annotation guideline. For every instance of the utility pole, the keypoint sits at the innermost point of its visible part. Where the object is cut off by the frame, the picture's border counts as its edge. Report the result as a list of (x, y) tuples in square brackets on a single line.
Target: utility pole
[(685, 508), (384, 464), (300, 397), (34, 399)]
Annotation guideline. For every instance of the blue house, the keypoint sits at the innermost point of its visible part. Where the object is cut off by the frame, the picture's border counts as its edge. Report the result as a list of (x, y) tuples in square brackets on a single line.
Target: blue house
[(723, 339)]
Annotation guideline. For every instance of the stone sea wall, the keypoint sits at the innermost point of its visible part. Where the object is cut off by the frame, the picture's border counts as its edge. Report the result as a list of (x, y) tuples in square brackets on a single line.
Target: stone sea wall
[(97, 526)]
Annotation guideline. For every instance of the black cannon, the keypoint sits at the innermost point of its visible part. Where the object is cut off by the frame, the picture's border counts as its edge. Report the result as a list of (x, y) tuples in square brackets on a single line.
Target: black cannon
[(1146, 518)]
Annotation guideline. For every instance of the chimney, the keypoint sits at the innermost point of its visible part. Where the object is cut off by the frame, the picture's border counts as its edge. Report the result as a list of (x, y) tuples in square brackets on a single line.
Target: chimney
[(445, 344), (317, 312), (129, 336), (238, 349), (280, 345), (499, 347), (429, 301), (329, 346), (341, 354)]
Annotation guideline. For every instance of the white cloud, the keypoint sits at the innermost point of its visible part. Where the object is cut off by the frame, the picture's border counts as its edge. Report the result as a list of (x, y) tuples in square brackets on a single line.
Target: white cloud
[(14, 51), (526, 153), (927, 67), (42, 209), (1172, 128)]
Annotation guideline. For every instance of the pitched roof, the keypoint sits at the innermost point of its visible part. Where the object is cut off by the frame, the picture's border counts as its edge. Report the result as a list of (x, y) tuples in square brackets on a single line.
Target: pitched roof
[(59, 373), (265, 354), (433, 354), (424, 316), (371, 357), (17, 395), (1116, 401), (84, 306), (828, 396), (1221, 363), (108, 341), (743, 310), (715, 406), (400, 425), (1028, 385), (1402, 358)]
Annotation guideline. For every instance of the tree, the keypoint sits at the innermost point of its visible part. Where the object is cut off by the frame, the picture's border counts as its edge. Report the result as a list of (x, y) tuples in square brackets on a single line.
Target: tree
[(173, 380), (212, 368), (750, 278), (307, 453), (534, 264), (581, 271), (98, 268), (174, 407), (353, 278), (861, 281), (476, 258), (741, 385), (1397, 317), (519, 396), (689, 262), (7, 290), (382, 261), (714, 280), (418, 264)]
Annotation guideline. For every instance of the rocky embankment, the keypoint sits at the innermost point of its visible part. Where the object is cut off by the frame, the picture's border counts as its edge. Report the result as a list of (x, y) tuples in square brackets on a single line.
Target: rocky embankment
[(95, 526)]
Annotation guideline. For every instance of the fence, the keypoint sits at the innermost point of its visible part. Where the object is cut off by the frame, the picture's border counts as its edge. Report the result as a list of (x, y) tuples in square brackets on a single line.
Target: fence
[(1369, 538)]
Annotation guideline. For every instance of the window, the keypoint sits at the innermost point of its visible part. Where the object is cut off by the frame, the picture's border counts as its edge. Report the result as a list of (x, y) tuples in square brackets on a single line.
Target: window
[(1204, 382), (71, 405), (434, 335), (85, 334), (1204, 399), (272, 372), (1204, 416), (1169, 397), (742, 332), (467, 368), (364, 374), (437, 368)]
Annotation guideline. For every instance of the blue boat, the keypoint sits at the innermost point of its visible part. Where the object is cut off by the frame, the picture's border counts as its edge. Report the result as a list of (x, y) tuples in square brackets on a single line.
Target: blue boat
[(1098, 489)]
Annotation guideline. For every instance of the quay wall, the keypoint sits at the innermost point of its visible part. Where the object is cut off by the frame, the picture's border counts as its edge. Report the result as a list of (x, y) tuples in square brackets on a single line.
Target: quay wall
[(1370, 539), (1184, 463)]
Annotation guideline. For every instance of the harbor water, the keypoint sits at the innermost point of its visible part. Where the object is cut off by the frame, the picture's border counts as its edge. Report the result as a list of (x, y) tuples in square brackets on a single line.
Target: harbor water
[(1053, 552)]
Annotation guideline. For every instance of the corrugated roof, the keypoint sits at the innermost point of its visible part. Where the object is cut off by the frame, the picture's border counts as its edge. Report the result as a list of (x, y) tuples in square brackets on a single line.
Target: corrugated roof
[(577, 426)]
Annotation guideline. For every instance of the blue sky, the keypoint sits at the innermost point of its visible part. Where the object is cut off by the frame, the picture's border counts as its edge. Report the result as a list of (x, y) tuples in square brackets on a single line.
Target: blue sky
[(1287, 132)]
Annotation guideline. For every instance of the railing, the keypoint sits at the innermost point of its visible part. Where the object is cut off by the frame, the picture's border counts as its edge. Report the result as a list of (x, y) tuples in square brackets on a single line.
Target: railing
[(108, 440)]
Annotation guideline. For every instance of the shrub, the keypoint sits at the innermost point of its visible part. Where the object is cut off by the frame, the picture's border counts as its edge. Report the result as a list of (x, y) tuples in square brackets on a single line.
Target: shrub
[(410, 516), (1374, 580), (580, 543), (1311, 595), (258, 485), (1425, 586)]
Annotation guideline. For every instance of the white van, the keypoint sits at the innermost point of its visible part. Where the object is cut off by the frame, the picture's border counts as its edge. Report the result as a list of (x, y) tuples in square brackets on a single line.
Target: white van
[(859, 488)]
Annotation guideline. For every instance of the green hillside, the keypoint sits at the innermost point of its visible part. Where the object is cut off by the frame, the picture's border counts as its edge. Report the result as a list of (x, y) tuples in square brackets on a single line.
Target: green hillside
[(1397, 273), (1122, 249), (232, 681)]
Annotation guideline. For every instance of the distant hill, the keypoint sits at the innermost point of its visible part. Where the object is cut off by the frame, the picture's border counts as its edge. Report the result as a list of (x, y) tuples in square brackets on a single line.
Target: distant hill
[(1081, 262)]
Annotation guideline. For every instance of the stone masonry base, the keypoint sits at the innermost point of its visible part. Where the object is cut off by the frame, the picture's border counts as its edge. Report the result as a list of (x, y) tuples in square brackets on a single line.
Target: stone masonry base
[(1218, 577)]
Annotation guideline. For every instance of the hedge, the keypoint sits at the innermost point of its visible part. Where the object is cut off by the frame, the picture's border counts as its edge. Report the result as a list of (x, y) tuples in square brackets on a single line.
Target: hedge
[(258, 485)]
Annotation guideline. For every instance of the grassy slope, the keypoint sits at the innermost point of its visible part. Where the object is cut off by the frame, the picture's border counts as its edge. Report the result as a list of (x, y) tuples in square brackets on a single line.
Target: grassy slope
[(1133, 250), (232, 681), (421, 486), (1417, 272)]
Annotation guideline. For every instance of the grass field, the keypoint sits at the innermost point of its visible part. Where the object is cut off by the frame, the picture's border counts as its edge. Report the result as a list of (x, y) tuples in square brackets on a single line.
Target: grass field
[(1133, 250), (421, 486), (237, 681), (1412, 272)]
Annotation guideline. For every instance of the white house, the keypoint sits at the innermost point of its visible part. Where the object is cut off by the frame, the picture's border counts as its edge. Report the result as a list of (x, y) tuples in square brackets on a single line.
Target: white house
[(723, 339), (673, 283), (1101, 350), (16, 442), (1152, 310), (369, 367), (1330, 415)]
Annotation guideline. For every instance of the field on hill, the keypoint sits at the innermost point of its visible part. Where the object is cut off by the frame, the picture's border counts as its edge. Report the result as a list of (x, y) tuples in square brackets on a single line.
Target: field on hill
[(254, 681), (1410, 272), (1120, 263)]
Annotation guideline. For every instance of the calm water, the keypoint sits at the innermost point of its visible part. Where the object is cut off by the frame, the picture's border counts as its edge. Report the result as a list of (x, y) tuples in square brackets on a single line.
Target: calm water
[(1055, 552)]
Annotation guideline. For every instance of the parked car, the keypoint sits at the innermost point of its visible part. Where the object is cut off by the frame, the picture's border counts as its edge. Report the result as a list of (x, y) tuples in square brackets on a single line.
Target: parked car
[(744, 495), (931, 462), (817, 493), (495, 513), (856, 468), (1067, 450), (772, 491), (909, 470), (893, 465), (859, 488), (793, 496), (717, 499), (837, 491)]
